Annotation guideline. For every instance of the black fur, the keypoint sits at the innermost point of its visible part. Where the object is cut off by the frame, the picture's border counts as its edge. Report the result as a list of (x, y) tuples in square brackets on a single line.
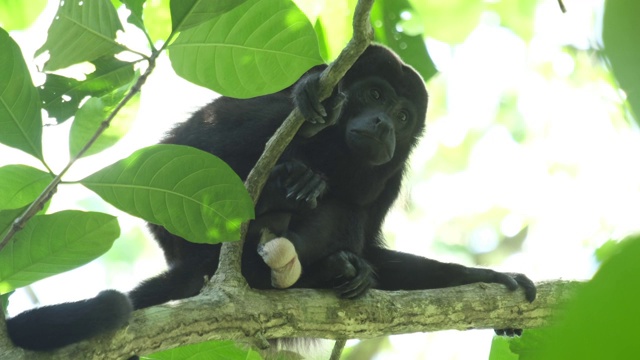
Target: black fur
[(53, 326), (329, 196)]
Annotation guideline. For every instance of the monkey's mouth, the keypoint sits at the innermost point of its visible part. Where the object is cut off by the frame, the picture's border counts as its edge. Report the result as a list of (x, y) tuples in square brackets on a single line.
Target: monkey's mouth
[(368, 135), (371, 147)]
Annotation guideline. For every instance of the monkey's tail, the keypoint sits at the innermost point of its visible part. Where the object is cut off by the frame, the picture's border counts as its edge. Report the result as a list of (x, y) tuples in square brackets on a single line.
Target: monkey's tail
[(54, 326)]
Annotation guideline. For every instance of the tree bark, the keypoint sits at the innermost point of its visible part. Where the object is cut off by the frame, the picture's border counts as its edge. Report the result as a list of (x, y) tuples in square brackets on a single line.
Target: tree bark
[(251, 316)]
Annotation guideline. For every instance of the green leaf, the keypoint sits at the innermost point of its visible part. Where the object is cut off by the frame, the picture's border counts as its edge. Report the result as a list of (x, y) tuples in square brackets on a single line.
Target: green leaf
[(81, 31), (157, 19), (259, 47), (500, 349), (19, 15), (20, 117), (211, 350), (20, 185), (4, 302), (620, 29), (61, 95), (322, 40), (527, 347), (7, 217), (186, 14), (192, 193), (336, 28), (52, 244), (136, 8), (606, 250), (386, 17), (515, 15), (601, 321), (90, 117), (450, 21)]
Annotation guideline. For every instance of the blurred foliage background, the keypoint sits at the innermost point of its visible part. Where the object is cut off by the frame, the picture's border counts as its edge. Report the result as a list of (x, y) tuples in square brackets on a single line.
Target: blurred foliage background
[(528, 164)]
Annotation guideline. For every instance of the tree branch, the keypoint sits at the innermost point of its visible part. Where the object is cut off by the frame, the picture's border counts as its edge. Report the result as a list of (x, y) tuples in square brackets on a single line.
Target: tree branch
[(246, 315), (231, 253)]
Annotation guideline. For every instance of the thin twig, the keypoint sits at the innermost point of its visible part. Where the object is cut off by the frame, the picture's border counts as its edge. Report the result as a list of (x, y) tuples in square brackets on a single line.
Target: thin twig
[(562, 8), (337, 349)]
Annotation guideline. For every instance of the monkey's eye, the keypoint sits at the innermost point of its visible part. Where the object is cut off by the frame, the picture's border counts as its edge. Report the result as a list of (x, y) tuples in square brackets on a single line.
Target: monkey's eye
[(375, 94), (402, 117)]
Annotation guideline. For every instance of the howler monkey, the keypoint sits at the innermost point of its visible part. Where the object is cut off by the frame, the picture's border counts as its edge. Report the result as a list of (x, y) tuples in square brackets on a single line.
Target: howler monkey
[(318, 223)]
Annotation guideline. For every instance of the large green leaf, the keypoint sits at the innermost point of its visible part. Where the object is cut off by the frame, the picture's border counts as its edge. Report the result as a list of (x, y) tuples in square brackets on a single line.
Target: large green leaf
[(157, 19), (334, 28), (81, 31), (61, 96), (323, 45), (620, 32), (90, 117), (211, 350), (449, 21), (192, 193), (259, 47), (600, 321), (500, 349), (386, 17), (20, 117), (515, 15), (18, 15), (189, 13), (20, 185), (51, 244), (135, 7)]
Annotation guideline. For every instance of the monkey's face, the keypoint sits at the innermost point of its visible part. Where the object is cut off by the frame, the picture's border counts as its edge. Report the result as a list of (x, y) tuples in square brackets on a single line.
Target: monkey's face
[(376, 119)]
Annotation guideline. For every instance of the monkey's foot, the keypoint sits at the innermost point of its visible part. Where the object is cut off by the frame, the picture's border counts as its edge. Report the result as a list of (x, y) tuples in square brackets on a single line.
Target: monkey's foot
[(280, 255)]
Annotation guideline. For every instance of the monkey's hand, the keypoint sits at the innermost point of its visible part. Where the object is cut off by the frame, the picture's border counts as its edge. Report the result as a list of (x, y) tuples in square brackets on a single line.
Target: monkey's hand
[(300, 182), (292, 186), (318, 115), (350, 275), (514, 281)]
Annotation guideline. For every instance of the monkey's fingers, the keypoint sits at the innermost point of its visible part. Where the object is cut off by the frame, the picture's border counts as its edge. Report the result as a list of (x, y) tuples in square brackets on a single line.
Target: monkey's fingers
[(306, 98), (513, 281), (508, 332), (297, 183), (356, 278), (524, 282)]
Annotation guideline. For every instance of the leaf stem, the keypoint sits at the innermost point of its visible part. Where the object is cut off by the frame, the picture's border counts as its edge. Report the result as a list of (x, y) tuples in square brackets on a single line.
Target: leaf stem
[(144, 56), (44, 163)]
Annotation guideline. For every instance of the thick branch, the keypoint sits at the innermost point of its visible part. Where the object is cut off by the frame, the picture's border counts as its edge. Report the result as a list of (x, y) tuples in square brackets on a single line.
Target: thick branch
[(229, 268), (244, 314)]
